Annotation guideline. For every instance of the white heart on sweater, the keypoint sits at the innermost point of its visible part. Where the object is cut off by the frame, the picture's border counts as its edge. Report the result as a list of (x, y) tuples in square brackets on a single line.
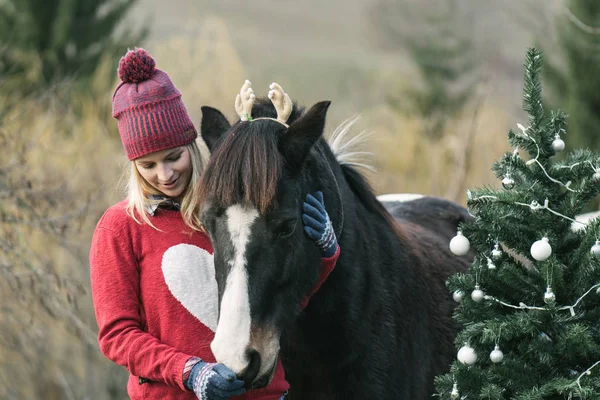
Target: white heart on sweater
[(189, 272)]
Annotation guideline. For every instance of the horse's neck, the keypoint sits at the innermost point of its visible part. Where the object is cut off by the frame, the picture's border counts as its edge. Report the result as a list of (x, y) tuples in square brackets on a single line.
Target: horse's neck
[(364, 224), (356, 220)]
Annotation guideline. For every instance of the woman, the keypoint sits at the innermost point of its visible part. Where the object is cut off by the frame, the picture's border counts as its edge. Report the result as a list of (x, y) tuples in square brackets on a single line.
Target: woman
[(152, 273)]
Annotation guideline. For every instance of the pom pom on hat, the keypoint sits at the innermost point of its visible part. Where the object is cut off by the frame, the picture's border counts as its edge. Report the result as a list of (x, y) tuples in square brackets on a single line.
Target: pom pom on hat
[(136, 66)]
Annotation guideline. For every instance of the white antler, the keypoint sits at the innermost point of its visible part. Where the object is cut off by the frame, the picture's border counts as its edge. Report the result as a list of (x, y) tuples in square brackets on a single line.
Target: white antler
[(281, 101), (244, 101)]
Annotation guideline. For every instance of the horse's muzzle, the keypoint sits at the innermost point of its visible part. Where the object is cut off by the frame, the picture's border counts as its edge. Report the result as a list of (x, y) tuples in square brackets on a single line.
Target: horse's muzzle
[(250, 373)]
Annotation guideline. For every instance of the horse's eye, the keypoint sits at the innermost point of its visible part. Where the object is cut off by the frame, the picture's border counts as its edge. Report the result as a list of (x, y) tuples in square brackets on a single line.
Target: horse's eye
[(285, 228), (219, 212)]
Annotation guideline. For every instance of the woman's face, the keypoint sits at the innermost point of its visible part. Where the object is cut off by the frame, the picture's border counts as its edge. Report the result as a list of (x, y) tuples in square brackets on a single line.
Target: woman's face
[(168, 171)]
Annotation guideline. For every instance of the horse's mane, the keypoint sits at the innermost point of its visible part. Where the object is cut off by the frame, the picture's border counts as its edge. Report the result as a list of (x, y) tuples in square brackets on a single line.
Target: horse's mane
[(245, 168), (346, 147)]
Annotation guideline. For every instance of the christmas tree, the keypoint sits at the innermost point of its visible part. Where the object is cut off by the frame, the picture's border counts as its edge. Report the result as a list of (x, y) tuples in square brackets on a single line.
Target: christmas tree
[(529, 304)]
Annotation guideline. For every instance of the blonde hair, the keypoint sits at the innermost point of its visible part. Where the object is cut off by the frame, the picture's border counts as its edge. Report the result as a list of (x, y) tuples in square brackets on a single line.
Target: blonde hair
[(138, 192)]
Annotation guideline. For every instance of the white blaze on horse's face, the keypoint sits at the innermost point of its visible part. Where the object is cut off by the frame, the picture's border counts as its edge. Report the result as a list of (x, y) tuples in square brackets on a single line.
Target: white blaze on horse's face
[(233, 331), (234, 337)]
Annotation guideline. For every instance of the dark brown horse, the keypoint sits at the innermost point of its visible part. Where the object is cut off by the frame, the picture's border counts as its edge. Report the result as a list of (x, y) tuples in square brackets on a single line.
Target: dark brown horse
[(380, 327)]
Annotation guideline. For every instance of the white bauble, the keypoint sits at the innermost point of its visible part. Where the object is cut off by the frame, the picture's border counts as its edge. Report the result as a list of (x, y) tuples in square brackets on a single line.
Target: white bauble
[(477, 295), (459, 244), (496, 355), (466, 355), (458, 296), (558, 144), (595, 250), (541, 250)]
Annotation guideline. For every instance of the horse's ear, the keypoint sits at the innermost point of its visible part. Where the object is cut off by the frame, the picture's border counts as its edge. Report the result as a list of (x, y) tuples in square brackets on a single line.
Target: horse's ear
[(296, 142), (213, 126)]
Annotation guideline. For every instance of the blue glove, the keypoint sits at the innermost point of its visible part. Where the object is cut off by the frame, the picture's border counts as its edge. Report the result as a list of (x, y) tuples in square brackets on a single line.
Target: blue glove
[(212, 381), (317, 224)]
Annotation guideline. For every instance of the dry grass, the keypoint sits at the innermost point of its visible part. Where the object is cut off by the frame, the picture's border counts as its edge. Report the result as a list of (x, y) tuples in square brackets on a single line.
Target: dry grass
[(408, 162), (56, 168)]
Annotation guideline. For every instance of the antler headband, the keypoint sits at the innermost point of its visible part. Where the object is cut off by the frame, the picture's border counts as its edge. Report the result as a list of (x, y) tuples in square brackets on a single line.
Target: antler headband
[(280, 99)]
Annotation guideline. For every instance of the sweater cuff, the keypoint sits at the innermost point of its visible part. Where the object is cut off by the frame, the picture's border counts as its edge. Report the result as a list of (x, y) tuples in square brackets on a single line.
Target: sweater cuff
[(187, 369), (327, 266), (179, 366)]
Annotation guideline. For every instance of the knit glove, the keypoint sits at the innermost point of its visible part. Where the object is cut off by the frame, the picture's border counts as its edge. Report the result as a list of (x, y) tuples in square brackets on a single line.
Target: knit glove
[(213, 381), (317, 224)]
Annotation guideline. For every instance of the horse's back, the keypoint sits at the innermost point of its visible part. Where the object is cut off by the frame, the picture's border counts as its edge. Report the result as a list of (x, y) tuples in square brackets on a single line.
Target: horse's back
[(434, 214)]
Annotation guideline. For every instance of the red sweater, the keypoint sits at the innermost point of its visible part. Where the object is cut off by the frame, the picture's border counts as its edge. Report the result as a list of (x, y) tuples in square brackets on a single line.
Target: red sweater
[(155, 297)]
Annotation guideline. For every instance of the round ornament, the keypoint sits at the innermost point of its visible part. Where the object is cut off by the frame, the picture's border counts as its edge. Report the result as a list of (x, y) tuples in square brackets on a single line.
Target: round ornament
[(466, 355), (477, 295), (496, 253), (541, 250), (545, 337), (549, 296), (496, 355), (459, 244), (558, 144), (458, 296), (508, 182), (454, 394), (595, 250)]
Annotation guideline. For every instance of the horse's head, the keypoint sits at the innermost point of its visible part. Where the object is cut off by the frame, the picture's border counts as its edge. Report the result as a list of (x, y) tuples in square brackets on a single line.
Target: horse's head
[(253, 187)]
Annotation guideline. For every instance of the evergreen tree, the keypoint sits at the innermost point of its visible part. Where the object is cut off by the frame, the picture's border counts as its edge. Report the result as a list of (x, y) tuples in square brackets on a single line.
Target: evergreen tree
[(530, 303), (574, 76), (48, 40), (442, 49)]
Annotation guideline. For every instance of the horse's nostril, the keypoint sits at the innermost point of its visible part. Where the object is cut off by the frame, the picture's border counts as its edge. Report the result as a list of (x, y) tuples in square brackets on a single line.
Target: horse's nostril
[(253, 367), (261, 383)]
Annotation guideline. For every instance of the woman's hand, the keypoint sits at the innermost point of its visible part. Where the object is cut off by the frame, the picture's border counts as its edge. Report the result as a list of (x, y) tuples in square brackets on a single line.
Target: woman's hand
[(317, 224), (213, 381)]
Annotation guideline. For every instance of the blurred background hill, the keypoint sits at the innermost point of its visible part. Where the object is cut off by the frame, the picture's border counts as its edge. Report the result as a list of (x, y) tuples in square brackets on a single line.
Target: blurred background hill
[(436, 83)]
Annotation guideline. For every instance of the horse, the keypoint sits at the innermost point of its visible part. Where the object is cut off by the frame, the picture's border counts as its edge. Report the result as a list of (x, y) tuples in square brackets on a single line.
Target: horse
[(381, 325)]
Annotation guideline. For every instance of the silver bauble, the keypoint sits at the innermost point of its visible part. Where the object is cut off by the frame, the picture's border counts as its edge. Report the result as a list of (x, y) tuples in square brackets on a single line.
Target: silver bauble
[(496, 253), (508, 183), (454, 394), (549, 296)]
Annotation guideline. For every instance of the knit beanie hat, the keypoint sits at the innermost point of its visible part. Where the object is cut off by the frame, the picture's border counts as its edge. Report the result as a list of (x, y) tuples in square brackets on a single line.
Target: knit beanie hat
[(148, 107)]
